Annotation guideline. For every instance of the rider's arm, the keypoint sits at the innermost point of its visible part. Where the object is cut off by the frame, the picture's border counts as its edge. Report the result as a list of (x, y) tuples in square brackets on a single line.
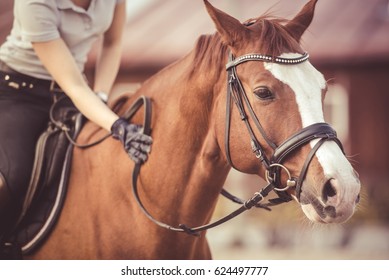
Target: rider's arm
[(57, 59), (60, 63), (108, 61)]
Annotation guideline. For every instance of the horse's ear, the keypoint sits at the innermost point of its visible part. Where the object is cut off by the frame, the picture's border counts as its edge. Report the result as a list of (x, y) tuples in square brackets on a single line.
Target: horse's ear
[(297, 26), (230, 29)]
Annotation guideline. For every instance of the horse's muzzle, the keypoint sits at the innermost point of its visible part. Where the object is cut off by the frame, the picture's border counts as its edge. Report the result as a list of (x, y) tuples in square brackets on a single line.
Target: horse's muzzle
[(331, 206)]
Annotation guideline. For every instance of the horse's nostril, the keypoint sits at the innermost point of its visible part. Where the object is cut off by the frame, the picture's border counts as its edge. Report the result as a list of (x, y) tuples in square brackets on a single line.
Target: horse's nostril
[(330, 211), (358, 199), (328, 191)]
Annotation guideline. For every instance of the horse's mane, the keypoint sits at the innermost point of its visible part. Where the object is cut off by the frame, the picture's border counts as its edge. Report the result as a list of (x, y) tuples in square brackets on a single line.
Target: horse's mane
[(274, 38), (209, 51)]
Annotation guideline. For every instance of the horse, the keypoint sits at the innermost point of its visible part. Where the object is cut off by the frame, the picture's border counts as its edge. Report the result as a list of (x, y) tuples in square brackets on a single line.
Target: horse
[(198, 136)]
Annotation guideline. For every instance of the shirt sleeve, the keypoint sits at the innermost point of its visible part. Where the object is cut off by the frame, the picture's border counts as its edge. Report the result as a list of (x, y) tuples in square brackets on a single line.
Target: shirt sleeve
[(38, 20)]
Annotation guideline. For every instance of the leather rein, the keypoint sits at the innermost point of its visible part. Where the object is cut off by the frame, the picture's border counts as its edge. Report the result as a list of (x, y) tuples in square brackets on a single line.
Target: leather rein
[(273, 165)]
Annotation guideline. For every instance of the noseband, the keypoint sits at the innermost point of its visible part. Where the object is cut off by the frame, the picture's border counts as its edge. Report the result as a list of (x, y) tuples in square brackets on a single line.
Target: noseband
[(273, 165)]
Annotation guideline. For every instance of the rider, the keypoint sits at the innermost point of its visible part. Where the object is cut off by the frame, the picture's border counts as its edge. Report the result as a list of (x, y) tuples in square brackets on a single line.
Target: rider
[(47, 48)]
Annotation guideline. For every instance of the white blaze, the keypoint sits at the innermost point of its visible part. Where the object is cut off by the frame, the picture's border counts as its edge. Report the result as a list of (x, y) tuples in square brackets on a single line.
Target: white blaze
[(307, 84)]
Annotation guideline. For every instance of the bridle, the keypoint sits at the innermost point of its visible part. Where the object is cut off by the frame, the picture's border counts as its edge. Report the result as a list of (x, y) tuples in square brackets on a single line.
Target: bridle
[(273, 165)]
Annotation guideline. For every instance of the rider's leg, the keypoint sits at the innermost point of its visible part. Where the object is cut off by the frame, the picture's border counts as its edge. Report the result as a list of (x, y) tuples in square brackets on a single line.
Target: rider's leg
[(24, 117)]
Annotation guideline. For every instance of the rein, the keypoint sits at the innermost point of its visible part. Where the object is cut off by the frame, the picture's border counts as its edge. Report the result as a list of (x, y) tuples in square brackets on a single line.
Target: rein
[(246, 205)]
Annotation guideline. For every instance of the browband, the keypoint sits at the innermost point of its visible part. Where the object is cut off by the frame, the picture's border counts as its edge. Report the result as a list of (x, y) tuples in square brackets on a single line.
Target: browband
[(267, 58)]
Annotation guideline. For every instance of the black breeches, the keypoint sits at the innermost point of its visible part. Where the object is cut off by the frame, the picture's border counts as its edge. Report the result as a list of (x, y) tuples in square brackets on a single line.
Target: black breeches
[(23, 117)]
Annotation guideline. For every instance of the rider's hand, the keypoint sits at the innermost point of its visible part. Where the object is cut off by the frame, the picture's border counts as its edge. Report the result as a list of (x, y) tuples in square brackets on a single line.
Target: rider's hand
[(136, 144)]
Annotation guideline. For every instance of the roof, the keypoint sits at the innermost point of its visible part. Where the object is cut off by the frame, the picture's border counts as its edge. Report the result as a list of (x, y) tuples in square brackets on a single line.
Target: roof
[(161, 31)]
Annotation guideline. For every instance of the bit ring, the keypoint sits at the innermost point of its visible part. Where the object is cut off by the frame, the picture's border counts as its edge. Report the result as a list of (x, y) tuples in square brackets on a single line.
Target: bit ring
[(289, 183)]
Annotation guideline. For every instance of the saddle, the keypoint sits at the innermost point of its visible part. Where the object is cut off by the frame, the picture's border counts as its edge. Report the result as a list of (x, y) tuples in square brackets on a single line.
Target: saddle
[(48, 184)]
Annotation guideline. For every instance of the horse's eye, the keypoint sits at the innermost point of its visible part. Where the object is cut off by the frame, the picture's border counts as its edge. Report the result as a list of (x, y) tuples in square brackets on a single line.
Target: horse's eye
[(263, 93)]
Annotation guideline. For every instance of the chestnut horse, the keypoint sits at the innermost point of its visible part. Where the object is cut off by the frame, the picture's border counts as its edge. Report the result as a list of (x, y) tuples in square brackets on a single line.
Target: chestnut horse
[(192, 156)]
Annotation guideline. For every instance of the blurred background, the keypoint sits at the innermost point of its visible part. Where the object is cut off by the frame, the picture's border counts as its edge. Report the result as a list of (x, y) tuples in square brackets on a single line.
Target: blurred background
[(348, 42)]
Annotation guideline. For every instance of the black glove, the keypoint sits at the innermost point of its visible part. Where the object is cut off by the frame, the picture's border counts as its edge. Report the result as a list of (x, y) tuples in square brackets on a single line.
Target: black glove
[(136, 144)]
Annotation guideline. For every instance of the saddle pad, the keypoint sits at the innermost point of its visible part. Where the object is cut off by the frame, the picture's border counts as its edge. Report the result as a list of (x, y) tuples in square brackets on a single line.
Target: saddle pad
[(47, 204)]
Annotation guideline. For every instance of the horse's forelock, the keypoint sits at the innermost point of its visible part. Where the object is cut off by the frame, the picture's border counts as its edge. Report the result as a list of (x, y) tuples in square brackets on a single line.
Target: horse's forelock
[(274, 39)]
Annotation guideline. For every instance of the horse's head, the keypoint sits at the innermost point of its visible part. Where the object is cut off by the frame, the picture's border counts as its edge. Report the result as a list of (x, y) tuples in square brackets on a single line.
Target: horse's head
[(281, 95)]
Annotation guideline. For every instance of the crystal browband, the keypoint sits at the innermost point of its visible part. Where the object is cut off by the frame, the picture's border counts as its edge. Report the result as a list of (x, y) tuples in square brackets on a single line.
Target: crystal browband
[(267, 58)]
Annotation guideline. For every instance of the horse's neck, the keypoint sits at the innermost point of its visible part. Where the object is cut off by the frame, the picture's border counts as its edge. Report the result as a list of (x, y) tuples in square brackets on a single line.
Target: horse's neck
[(179, 183), (186, 164)]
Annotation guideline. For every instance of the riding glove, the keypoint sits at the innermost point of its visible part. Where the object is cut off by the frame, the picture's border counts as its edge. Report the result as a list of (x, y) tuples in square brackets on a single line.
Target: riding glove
[(136, 144)]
